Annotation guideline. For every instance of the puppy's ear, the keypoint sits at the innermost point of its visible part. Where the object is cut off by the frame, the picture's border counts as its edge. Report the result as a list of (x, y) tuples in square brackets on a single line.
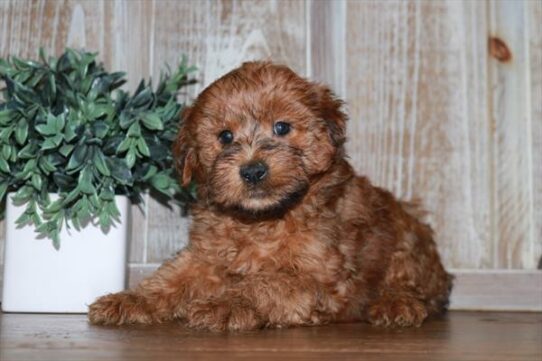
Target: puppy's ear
[(330, 110), (183, 153)]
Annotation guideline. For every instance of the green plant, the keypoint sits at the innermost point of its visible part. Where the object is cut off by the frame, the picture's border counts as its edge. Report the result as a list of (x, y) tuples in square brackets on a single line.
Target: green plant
[(67, 128)]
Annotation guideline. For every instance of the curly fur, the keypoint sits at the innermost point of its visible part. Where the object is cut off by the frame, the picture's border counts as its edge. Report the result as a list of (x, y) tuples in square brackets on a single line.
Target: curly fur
[(313, 243)]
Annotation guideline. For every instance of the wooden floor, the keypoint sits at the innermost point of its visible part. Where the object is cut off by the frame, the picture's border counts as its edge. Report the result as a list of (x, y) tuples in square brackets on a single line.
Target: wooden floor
[(458, 336)]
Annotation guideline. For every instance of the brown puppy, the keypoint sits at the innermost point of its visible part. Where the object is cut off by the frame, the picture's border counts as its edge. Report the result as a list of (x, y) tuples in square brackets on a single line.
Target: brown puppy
[(283, 233)]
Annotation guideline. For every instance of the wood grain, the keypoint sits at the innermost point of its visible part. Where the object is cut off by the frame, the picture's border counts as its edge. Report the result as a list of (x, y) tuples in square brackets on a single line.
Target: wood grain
[(327, 50), (497, 290), (459, 336), (429, 121), (433, 115), (511, 151), (416, 91), (534, 39)]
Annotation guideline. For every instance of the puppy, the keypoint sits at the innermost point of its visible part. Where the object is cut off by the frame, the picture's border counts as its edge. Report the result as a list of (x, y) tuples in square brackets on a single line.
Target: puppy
[(283, 232)]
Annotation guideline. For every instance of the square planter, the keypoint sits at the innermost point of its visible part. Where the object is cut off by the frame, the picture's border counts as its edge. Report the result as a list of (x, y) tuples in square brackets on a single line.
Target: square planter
[(89, 263)]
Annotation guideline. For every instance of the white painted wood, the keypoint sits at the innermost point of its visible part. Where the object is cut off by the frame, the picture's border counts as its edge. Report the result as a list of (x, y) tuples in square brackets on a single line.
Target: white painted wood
[(512, 186), (327, 40), (534, 38), (417, 85), (492, 290)]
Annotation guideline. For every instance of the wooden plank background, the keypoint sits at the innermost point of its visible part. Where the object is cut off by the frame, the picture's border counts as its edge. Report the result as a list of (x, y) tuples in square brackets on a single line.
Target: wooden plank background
[(436, 113)]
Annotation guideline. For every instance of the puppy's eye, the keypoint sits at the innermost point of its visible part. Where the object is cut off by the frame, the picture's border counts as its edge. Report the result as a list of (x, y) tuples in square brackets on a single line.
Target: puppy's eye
[(281, 128), (225, 137)]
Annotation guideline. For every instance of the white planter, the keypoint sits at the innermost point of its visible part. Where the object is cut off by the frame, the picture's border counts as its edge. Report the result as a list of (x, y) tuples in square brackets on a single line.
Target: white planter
[(38, 278)]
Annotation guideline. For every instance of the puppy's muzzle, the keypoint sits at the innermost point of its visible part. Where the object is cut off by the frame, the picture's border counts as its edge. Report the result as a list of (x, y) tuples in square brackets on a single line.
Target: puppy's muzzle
[(254, 172)]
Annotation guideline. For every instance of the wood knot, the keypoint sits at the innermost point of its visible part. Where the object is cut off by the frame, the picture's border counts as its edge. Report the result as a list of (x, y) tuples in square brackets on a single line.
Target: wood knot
[(499, 50)]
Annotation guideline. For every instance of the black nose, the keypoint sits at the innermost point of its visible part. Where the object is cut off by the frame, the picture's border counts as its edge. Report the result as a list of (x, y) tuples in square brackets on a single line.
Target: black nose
[(253, 173)]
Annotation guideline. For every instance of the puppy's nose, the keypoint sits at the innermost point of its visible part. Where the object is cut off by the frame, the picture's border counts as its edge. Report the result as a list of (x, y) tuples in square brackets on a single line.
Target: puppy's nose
[(253, 173)]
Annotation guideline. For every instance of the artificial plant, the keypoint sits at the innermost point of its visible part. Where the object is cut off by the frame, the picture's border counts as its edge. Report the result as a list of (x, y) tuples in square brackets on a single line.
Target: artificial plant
[(66, 127)]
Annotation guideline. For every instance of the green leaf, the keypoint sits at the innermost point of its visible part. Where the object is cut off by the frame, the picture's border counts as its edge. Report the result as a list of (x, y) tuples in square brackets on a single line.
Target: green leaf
[(107, 195), (95, 201), (6, 151), (24, 94), (21, 132), (55, 236), (152, 121), (22, 195), (98, 111), (36, 181), (73, 195), (134, 130), (52, 142), (125, 145), (28, 169), (4, 166), (130, 157), (105, 220), (112, 210), (160, 181), (28, 151), (3, 190), (63, 181), (51, 86), (125, 120), (85, 181), (57, 122), (142, 99), (23, 220), (69, 132), (119, 170), (5, 134), (55, 206), (66, 149), (150, 173), (143, 148), (99, 129), (46, 164), (5, 116), (100, 163), (79, 156), (46, 129)]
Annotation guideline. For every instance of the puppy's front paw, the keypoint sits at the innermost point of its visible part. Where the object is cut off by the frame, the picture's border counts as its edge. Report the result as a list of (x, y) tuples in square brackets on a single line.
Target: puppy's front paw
[(223, 315), (119, 308), (397, 311)]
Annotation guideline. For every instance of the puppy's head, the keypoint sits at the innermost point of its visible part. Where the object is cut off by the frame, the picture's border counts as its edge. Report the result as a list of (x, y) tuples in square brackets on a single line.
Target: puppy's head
[(256, 138)]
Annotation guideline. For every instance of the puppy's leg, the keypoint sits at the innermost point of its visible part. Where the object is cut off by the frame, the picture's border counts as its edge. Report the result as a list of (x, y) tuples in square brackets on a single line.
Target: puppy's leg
[(284, 300), (230, 312), (258, 300), (415, 286), (163, 296)]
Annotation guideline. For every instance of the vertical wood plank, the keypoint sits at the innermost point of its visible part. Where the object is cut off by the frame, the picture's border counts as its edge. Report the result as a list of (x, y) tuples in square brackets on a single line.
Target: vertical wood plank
[(328, 44), (534, 20), (416, 85), (512, 148), (218, 36), (131, 45)]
